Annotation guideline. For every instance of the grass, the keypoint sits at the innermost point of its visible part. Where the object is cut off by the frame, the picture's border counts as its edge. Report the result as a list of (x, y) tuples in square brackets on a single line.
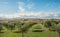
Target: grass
[(11, 34), (30, 34), (42, 34)]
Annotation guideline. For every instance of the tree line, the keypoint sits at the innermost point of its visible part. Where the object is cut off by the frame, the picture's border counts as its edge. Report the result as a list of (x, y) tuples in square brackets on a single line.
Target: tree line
[(23, 27)]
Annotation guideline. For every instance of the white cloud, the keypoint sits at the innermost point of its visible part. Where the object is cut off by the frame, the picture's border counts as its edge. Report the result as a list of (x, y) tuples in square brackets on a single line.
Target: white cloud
[(9, 15), (39, 15), (31, 5), (32, 15), (21, 6), (23, 13)]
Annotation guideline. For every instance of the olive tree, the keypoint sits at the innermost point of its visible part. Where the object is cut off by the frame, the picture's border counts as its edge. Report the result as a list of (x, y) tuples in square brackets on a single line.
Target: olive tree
[(1, 28), (57, 28), (53, 24), (24, 27), (11, 26), (50, 25), (47, 24)]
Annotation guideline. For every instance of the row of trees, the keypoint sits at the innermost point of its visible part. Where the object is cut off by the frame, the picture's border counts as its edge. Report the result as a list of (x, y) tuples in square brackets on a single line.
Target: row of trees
[(23, 27)]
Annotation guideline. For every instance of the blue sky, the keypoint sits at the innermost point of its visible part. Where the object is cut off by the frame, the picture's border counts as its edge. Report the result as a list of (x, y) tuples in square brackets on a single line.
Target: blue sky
[(29, 8)]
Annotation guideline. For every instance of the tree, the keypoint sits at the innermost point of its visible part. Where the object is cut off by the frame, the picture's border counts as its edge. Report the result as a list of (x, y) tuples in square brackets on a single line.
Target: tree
[(57, 28), (54, 25), (11, 26), (47, 23), (24, 27), (1, 28), (50, 25)]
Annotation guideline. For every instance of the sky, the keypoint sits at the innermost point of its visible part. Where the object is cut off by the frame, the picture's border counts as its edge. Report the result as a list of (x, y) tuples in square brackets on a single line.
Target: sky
[(30, 8)]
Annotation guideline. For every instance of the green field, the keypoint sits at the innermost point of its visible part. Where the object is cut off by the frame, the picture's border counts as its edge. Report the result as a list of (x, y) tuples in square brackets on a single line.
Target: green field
[(30, 34)]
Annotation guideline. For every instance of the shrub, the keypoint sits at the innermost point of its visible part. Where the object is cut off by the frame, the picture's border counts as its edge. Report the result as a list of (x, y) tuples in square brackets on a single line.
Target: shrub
[(17, 32), (37, 27), (37, 30), (51, 29)]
